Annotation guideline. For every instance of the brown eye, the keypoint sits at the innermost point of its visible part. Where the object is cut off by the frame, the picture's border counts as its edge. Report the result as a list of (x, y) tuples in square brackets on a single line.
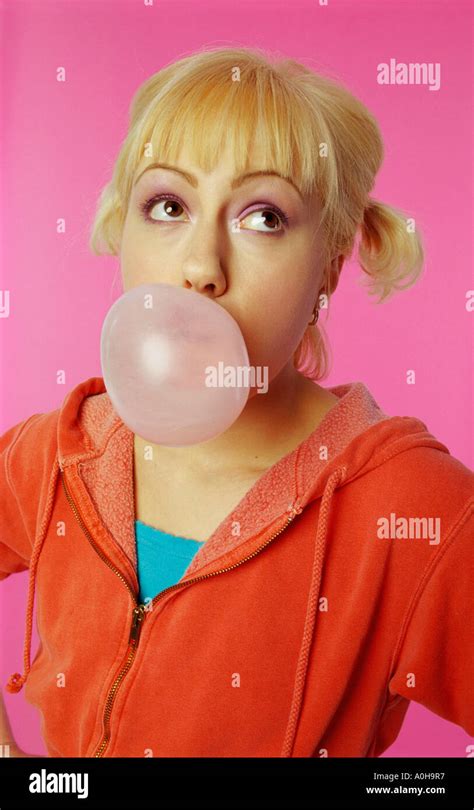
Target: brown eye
[(162, 209), (269, 219), (171, 208)]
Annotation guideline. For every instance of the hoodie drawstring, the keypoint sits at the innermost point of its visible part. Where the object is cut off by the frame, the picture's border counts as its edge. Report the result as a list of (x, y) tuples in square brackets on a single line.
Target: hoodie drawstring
[(319, 550), (16, 681)]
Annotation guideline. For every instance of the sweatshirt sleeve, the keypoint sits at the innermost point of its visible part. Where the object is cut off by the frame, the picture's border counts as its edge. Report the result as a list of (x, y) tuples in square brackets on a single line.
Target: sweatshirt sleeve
[(435, 661), (15, 542)]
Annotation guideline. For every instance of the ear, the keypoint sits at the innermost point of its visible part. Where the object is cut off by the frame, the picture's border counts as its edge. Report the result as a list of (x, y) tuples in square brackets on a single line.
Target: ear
[(334, 273)]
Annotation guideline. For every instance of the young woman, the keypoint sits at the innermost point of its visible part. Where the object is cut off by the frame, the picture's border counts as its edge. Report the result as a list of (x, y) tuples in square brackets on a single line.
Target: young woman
[(286, 588)]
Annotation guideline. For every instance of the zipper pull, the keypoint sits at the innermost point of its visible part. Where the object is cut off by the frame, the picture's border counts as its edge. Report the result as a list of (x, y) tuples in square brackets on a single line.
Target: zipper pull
[(295, 509), (137, 618)]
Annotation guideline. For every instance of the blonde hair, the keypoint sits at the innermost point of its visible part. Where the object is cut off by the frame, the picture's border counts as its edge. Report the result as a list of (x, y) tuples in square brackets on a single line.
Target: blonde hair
[(311, 129)]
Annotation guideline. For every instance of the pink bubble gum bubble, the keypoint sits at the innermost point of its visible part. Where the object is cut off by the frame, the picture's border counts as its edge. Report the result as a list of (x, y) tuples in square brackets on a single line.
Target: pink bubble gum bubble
[(159, 344)]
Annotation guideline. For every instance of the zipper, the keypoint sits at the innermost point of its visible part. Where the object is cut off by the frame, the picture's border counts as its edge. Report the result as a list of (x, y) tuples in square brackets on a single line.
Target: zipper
[(140, 610), (92, 541)]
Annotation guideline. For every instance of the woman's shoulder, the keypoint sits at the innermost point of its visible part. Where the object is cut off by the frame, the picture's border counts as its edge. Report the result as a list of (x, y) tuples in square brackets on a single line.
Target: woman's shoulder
[(30, 438), (425, 481), (431, 466), (30, 446)]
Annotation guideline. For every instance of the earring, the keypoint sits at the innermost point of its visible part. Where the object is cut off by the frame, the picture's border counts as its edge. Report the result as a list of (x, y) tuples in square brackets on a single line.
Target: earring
[(315, 317)]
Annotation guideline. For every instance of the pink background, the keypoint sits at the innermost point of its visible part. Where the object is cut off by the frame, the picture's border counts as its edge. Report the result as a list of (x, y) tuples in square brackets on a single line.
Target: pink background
[(59, 145)]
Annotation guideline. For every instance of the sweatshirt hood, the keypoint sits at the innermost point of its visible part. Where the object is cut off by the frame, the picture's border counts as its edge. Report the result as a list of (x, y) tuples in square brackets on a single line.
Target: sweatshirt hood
[(353, 439)]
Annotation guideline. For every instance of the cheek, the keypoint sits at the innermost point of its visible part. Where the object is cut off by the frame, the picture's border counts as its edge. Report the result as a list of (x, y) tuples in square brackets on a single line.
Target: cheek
[(272, 323), (135, 259), (127, 257), (283, 294)]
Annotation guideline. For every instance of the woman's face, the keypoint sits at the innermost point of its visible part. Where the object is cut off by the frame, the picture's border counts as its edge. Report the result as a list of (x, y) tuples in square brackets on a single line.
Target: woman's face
[(247, 242)]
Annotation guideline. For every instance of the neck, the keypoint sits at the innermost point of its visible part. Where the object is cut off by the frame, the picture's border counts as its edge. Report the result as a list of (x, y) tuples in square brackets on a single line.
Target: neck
[(270, 426)]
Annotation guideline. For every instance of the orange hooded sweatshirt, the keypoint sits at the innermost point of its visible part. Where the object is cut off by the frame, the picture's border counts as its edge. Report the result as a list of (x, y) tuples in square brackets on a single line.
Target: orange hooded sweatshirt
[(322, 605)]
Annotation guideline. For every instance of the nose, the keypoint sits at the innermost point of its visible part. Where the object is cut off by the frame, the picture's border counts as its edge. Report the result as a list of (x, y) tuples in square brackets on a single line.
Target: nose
[(203, 268)]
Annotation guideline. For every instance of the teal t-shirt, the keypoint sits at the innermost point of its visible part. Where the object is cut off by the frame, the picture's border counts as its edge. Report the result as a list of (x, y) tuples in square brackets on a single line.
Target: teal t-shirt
[(162, 558)]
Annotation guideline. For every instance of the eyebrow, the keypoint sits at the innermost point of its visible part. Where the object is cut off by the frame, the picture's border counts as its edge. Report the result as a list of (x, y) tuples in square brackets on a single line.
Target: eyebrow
[(193, 181)]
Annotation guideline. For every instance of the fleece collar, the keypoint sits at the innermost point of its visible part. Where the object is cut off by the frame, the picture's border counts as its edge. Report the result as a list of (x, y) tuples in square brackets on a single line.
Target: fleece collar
[(350, 438)]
